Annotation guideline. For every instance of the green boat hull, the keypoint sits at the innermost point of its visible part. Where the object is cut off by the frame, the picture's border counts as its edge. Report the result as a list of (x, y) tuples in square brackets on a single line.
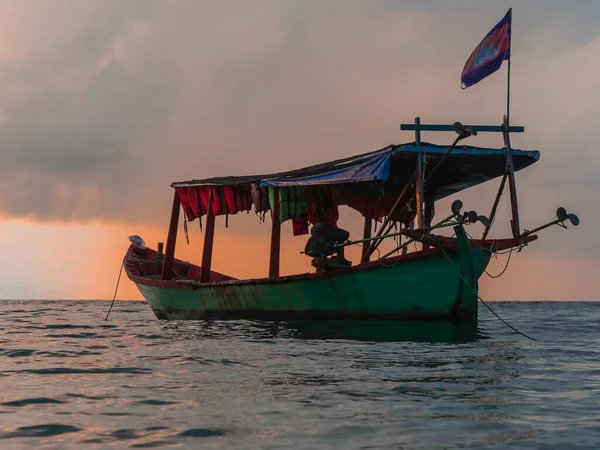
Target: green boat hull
[(436, 285)]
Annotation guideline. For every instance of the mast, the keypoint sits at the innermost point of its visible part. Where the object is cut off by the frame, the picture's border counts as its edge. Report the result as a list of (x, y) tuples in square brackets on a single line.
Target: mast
[(508, 72), (515, 226), (510, 170), (420, 216)]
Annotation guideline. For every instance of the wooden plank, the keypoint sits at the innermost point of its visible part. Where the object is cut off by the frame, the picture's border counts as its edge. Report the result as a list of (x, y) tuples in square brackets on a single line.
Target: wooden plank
[(419, 191), (275, 236), (366, 235), (494, 207), (209, 237), (167, 268), (429, 205), (478, 128), (515, 225)]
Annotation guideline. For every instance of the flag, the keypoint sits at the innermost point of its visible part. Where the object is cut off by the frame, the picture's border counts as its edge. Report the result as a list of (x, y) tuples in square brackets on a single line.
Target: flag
[(489, 54)]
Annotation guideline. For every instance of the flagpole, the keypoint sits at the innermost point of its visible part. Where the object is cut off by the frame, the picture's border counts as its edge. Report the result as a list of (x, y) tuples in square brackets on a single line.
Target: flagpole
[(508, 95), (509, 61), (510, 172)]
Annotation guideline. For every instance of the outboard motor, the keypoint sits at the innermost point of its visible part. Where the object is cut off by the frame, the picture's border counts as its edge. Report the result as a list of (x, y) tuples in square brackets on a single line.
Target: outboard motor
[(321, 246)]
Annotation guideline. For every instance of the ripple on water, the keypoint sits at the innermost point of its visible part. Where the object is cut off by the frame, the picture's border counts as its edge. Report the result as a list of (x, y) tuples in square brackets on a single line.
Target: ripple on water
[(70, 371), (202, 432), (46, 430), (76, 335), (153, 444), (155, 402), (65, 326), (32, 401), (18, 353)]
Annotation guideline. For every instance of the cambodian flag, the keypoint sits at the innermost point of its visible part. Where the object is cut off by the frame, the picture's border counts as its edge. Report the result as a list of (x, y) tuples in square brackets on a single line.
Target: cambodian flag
[(489, 54)]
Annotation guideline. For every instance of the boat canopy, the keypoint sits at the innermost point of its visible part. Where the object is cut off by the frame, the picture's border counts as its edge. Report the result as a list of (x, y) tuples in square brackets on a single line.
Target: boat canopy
[(369, 183)]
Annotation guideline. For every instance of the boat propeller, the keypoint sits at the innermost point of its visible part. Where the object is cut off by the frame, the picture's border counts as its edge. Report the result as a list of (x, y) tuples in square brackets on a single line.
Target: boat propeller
[(472, 217), (468, 216), (462, 131), (561, 214), (561, 217), (456, 207)]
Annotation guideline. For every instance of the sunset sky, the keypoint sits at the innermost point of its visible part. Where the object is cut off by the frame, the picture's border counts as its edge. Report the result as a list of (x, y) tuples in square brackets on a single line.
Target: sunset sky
[(104, 103)]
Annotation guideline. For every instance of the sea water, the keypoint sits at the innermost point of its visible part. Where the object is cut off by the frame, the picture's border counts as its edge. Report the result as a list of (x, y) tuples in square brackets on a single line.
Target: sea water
[(70, 379)]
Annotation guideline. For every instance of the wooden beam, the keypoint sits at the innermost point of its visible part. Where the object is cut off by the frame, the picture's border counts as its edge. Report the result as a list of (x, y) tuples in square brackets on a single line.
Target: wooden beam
[(275, 236), (495, 206), (429, 205), (419, 191), (209, 237), (516, 228), (167, 268), (418, 130), (366, 235), (479, 128), (420, 216)]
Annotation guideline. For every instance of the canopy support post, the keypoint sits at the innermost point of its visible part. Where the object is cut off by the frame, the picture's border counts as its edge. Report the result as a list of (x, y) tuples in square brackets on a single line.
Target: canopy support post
[(419, 177), (495, 207), (515, 226), (429, 212), (419, 191), (167, 268), (275, 236), (366, 235), (209, 237)]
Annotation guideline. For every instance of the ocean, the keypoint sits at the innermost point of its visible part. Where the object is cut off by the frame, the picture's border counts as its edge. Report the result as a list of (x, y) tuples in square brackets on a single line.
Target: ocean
[(70, 380)]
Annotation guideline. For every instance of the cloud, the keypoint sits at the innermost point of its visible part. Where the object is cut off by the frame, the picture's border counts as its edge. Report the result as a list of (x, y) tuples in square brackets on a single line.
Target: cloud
[(104, 104), (82, 87)]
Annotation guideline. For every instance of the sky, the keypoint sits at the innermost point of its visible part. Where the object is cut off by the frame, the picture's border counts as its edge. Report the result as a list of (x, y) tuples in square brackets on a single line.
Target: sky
[(104, 104)]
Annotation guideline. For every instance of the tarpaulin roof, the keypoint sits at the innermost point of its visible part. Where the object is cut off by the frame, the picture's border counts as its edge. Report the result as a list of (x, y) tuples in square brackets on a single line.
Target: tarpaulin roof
[(464, 167)]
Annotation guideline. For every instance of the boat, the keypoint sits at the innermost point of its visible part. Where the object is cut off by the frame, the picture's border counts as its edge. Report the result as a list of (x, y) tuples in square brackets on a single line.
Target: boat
[(397, 185)]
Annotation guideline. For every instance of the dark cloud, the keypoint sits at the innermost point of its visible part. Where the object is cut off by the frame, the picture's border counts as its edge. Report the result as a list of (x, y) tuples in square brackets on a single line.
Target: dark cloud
[(79, 97)]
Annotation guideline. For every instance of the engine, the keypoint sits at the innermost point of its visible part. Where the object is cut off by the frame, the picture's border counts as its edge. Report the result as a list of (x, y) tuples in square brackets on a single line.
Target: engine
[(322, 246)]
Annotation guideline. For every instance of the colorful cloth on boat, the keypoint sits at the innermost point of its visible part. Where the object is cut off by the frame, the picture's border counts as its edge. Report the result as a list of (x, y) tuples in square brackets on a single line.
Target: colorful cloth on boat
[(300, 226), (292, 202), (224, 200), (260, 198)]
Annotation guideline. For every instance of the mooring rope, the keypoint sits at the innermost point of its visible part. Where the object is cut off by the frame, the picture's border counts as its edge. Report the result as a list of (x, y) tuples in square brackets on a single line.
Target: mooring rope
[(116, 289), (505, 267), (482, 301), (495, 253)]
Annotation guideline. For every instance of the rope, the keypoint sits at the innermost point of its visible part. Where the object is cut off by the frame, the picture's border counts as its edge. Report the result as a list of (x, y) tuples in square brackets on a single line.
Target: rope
[(494, 252), (482, 301), (505, 267), (116, 289)]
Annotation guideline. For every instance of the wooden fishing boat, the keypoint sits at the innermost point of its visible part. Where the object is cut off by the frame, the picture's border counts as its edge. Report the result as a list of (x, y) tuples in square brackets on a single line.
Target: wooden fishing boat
[(398, 184)]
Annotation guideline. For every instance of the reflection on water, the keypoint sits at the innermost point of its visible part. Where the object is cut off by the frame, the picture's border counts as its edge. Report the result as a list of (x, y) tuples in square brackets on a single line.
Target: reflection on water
[(358, 330), (385, 331)]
